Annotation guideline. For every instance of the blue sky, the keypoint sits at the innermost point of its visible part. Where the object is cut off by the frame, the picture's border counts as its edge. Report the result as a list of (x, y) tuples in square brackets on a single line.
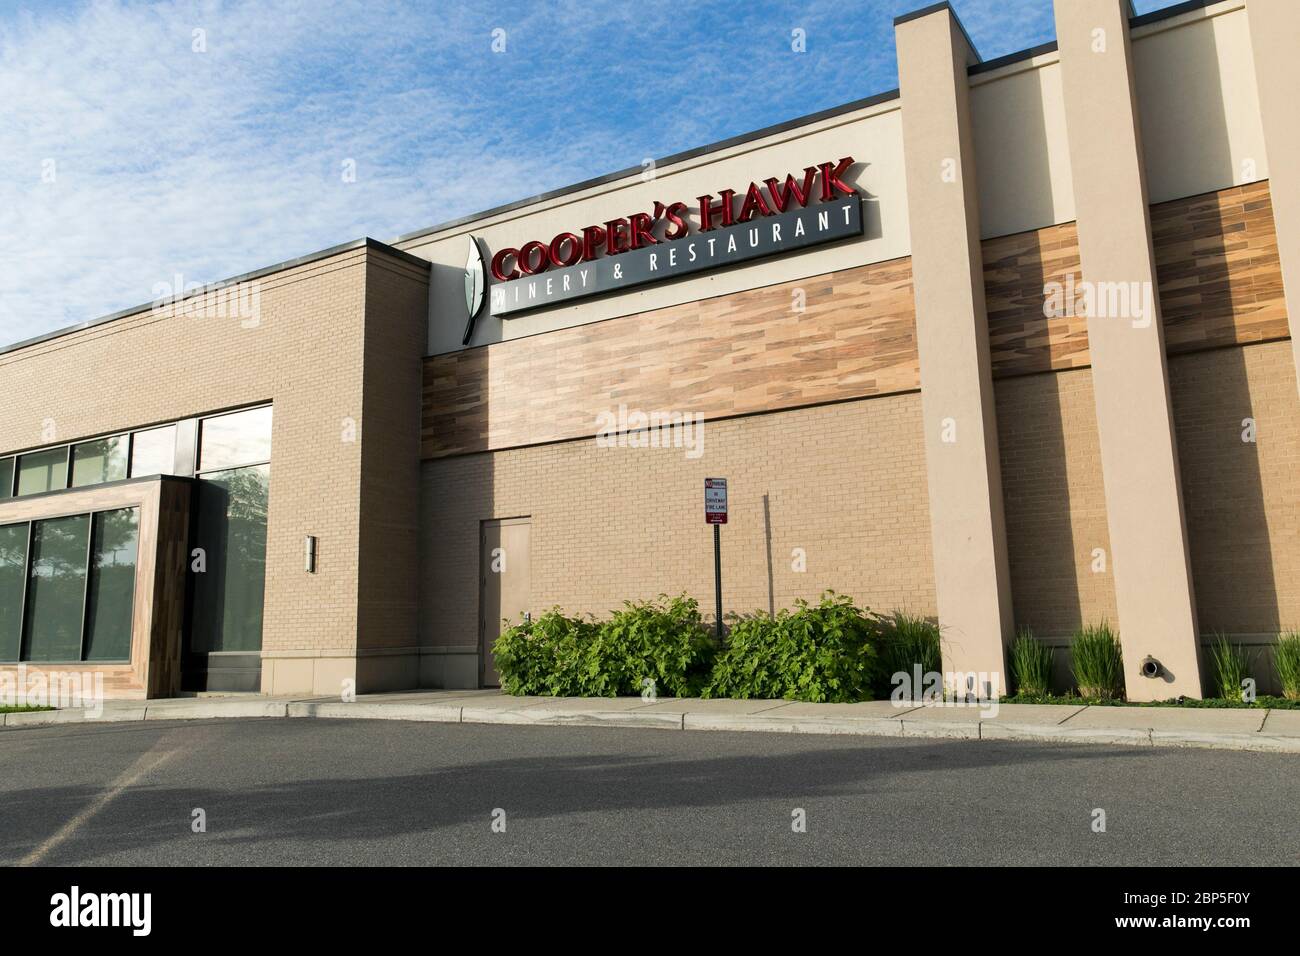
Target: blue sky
[(130, 156)]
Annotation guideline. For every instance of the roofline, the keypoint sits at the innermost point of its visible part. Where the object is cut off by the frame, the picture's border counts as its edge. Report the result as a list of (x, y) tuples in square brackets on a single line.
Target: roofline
[(935, 8), (665, 161), (364, 243)]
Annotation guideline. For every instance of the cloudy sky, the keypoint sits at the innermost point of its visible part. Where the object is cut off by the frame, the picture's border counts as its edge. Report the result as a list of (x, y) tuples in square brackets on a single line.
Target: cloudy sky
[(142, 140)]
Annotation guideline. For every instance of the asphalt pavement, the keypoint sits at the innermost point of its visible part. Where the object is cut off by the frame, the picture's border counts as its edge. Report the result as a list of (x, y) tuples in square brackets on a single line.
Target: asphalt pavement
[(346, 792)]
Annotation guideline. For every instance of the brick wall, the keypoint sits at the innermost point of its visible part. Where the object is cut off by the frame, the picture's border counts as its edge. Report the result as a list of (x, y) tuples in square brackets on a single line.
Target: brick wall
[(844, 482), (1242, 499), (1055, 502)]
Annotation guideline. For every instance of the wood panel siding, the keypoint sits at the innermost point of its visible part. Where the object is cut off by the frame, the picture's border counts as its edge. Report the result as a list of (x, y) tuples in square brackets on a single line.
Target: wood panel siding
[(721, 357), (1219, 271), (1217, 266)]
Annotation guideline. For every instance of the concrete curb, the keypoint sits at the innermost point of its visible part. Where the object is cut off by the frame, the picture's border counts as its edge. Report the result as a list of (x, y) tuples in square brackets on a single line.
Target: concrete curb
[(570, 712)]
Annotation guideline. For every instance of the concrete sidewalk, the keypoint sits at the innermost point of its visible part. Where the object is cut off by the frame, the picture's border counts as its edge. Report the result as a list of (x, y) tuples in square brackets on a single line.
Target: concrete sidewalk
[(1230, 729)]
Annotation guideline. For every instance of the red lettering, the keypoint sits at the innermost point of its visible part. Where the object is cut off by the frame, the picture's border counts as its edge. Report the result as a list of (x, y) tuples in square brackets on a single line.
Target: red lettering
[(615, 241), (526, 265), (753, 203), (781, 195), (593, 237), (675, 214), (831, 179), (499, 265), (640, 229), (707, 210), (575, 249)]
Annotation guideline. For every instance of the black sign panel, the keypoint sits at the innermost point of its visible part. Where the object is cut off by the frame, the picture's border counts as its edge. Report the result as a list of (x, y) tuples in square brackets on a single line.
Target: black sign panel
[(796, 229)]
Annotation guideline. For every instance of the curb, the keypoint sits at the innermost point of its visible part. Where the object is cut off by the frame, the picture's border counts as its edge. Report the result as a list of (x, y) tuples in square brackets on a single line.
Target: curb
[(546, 713)]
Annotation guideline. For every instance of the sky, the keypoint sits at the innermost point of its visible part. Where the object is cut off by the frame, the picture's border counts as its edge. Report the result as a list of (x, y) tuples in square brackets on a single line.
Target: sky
[(140, 141)]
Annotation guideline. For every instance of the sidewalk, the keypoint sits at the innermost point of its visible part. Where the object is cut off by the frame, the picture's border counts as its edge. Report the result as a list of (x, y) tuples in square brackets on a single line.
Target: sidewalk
[(1230, 729)]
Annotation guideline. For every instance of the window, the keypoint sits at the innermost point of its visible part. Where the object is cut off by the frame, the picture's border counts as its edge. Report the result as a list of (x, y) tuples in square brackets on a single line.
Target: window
[(67, 587), (110, 595), (240, 438), (6, 478), (153, 452), (95, 462), (42, 471), (13, 584), (226, 614), (56, 589)]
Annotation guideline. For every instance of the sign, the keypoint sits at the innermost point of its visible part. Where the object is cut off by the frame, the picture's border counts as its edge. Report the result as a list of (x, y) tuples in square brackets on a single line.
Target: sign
[(715, 500), (646, 247), (475, 281)]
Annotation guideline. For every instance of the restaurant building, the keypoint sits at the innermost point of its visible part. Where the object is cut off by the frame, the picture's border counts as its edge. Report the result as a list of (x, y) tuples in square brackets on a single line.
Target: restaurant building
[(1010, 347)]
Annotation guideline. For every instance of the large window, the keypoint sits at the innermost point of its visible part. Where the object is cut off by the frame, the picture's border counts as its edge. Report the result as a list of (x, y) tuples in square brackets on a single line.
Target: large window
[(95, 462), (6, 478), (68, 596), (241, 438)]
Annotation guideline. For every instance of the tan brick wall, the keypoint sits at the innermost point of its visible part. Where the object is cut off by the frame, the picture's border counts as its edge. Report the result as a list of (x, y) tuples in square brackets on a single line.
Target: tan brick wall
[(1055, 502), (844, 482), (305, 355), (1242, 499)]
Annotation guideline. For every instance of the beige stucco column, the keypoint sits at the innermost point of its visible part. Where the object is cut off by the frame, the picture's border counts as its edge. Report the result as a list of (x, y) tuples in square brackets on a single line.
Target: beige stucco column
[(1153, 583), (1275, 39), (961, 438)]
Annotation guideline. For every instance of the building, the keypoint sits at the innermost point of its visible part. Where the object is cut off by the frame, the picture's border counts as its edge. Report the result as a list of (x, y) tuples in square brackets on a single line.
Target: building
[(1011, 347)]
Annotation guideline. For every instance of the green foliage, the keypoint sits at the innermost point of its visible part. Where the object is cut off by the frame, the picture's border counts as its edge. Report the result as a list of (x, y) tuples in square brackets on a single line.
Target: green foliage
[(555, 655), (823, 653), (1286, 658), (907, 640), (1228, 668), (1097, 663), (1031, 665)]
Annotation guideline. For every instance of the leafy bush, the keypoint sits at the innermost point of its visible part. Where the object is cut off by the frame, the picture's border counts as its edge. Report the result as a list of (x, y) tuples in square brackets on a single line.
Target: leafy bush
[(1031, 664), (1097, 663), (1228, 668), (823, 653), (664, 641), (545, 656), (1286, 658), (907, 640)]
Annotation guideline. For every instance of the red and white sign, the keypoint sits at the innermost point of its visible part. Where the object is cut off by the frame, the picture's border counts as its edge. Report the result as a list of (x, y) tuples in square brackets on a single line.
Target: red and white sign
[(715, 500)]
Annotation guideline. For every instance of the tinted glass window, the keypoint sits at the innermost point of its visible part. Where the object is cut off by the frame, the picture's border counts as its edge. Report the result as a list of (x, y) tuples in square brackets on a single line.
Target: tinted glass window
[(228, 441), (154, 452), (56, 589), (6, 477), (13, 582), (111, 594), (231, 529), (95, 462), (43, 471)]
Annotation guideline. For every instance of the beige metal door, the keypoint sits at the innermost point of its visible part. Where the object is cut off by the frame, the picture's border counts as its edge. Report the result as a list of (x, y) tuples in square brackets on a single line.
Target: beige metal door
[(505, 586)]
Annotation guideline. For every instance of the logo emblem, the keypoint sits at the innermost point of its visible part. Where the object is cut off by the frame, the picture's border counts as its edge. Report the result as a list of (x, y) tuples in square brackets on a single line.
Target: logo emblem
[(475, 283)]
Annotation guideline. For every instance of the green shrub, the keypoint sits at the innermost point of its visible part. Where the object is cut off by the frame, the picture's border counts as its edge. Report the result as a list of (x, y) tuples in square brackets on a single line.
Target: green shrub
[(1097, 663), (822, 653), (545, 656), (1228, 668), (1031, 664), (1286, 658), (906, 641), (663, 640)]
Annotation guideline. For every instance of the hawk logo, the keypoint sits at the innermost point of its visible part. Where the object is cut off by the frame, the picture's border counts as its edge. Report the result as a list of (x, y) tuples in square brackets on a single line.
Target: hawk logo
[(475, 282)]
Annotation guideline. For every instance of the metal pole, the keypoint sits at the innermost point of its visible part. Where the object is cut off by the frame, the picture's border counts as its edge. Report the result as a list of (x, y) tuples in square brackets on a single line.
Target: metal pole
[(717, 575)]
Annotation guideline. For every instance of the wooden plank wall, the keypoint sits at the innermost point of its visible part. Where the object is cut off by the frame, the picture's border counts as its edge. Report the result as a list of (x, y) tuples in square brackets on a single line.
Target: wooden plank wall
[(1220, 284)]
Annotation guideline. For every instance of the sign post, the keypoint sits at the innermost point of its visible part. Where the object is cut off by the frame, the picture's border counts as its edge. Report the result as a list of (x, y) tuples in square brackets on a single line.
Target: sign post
[(715, 513)]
